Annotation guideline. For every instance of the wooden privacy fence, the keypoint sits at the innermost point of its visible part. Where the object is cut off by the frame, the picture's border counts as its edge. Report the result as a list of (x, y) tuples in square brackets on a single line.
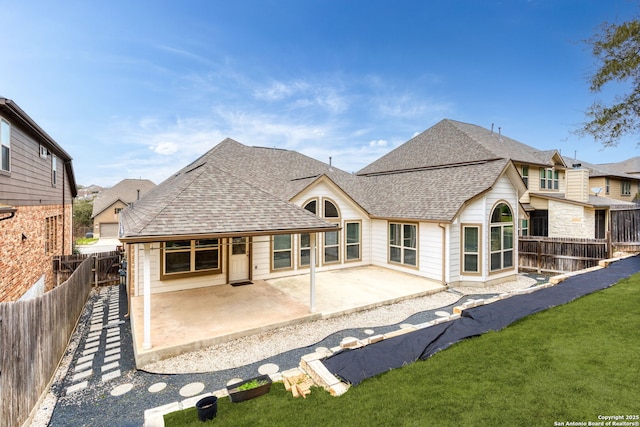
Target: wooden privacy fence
[(33, 338), (625, 229), (558, 254)]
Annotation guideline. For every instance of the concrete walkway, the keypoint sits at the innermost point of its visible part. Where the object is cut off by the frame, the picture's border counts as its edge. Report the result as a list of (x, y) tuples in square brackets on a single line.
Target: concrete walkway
[(102, 245)]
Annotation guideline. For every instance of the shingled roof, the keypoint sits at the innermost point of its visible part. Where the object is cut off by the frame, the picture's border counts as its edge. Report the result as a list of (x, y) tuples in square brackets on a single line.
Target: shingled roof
[(204, 200), (234, 188), (127, 190), (450, 142), (610, 169), (435, 194), (629, 166)]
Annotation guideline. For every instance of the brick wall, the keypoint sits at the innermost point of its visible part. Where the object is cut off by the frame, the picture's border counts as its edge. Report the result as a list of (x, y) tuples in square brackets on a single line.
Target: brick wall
[(24, 261)]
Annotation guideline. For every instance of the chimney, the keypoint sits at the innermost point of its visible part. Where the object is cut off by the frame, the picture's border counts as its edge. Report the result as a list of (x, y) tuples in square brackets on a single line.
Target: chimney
[(577, 183)]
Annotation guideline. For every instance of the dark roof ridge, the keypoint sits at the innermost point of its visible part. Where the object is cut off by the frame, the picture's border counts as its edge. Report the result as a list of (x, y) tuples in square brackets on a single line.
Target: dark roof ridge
[(433, 167)]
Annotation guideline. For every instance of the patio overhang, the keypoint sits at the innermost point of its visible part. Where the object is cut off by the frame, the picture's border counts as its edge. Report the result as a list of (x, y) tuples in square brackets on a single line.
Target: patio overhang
[(146, 242), (226, 234)]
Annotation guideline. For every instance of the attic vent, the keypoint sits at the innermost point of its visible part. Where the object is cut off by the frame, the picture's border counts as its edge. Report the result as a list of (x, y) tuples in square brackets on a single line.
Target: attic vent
[(195, 167)]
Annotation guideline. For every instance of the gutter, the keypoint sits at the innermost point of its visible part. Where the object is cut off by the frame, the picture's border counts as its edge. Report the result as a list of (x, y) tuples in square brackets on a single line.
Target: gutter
[(7, 210)]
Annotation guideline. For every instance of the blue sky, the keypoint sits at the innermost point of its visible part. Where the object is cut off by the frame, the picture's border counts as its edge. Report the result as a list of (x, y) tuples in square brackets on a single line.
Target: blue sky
[(138, 89)]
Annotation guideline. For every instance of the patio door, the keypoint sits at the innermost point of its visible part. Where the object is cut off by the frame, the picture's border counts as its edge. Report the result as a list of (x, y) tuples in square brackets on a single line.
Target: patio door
[(239, 260)]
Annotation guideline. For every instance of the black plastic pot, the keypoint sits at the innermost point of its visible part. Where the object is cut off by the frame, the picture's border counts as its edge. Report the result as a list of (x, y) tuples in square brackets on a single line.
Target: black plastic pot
[(207, 408)]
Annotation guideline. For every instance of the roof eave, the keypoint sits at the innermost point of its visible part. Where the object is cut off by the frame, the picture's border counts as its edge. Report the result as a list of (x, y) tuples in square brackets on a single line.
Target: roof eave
[(253, 233)]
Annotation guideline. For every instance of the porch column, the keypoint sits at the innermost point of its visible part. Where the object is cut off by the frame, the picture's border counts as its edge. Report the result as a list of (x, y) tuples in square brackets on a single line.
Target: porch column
[(146, 343), (312, 274)]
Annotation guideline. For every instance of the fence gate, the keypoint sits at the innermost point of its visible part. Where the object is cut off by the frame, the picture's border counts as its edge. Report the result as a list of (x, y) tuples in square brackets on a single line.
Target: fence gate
[(106, 267)]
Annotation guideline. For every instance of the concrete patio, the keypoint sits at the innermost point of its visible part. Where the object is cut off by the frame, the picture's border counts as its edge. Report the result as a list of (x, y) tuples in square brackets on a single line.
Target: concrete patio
[(190, 320)]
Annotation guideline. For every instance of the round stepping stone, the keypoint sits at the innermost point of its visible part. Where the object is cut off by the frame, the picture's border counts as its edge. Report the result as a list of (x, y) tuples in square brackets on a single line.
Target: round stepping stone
[(406, 325), (157, 387), (191, 389), (234, 380), (121, 389), (268, 369), (369, 331), (442, 314)]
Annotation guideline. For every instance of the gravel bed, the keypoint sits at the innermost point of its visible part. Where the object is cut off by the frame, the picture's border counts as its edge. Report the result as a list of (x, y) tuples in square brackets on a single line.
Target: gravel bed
[(246, 350)]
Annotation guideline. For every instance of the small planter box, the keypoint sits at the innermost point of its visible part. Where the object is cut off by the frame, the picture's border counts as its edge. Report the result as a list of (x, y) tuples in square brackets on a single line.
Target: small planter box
[(240, 395)]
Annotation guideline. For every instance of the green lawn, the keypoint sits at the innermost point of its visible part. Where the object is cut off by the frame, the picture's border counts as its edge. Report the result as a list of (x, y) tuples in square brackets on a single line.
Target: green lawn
[(566, 364), (85, 241)]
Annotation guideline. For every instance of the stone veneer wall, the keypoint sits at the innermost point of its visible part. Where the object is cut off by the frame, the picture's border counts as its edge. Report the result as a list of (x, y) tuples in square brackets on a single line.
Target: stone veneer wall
[(567, 220), (24, 262)]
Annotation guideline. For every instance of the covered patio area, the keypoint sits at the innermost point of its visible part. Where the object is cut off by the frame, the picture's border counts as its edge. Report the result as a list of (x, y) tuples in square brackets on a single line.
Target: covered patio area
[(193, 319)]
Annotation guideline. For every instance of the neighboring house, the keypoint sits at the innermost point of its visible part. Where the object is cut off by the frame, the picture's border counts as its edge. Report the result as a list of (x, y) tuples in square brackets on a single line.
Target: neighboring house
[(627, 177), (37, 187), (109, 202), (630, 166)]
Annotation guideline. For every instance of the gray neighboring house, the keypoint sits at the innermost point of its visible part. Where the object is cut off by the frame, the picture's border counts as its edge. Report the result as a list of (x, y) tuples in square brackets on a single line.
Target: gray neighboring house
[(108, 204)]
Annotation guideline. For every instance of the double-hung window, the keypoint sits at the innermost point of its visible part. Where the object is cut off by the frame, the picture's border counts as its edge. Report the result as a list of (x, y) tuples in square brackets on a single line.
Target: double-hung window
[(525, 175), (471, 249), (5, 146), (54, 170), (282, 252), (352, 242), (191, 257), (549, 179), (625, 188), (403, 244)]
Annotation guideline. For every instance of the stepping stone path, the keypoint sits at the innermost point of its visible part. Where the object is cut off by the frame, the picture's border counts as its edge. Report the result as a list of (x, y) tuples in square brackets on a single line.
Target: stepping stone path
[(99, 357)]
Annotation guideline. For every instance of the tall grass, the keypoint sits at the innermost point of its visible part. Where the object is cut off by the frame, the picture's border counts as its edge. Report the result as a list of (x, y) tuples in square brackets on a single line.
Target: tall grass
[(566, 364)]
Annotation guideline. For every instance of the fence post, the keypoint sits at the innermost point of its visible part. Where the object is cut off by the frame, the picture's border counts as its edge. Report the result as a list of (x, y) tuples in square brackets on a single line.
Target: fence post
[(539, 257), (96, 270)]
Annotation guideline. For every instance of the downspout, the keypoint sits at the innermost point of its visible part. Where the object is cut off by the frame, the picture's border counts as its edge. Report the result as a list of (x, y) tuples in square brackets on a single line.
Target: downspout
[(444, 254), (64, 222)]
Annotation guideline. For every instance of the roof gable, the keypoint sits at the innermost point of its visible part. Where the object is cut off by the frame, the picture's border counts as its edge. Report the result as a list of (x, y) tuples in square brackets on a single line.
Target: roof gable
[(435, 194), (450, 142), (202, 199)]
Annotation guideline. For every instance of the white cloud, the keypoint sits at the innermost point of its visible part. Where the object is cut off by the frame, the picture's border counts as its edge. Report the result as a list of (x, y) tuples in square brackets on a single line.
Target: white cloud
[(165, 148), (378, 143)]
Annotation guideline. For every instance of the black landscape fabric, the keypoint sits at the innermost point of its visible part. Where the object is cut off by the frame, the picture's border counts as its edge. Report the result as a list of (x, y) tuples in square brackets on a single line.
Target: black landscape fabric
[(354, 366)]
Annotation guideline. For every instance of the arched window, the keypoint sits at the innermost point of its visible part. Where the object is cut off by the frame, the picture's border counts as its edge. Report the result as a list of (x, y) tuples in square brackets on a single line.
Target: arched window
[(312, 206), (501, 237), (305, 244), (331, 238)]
